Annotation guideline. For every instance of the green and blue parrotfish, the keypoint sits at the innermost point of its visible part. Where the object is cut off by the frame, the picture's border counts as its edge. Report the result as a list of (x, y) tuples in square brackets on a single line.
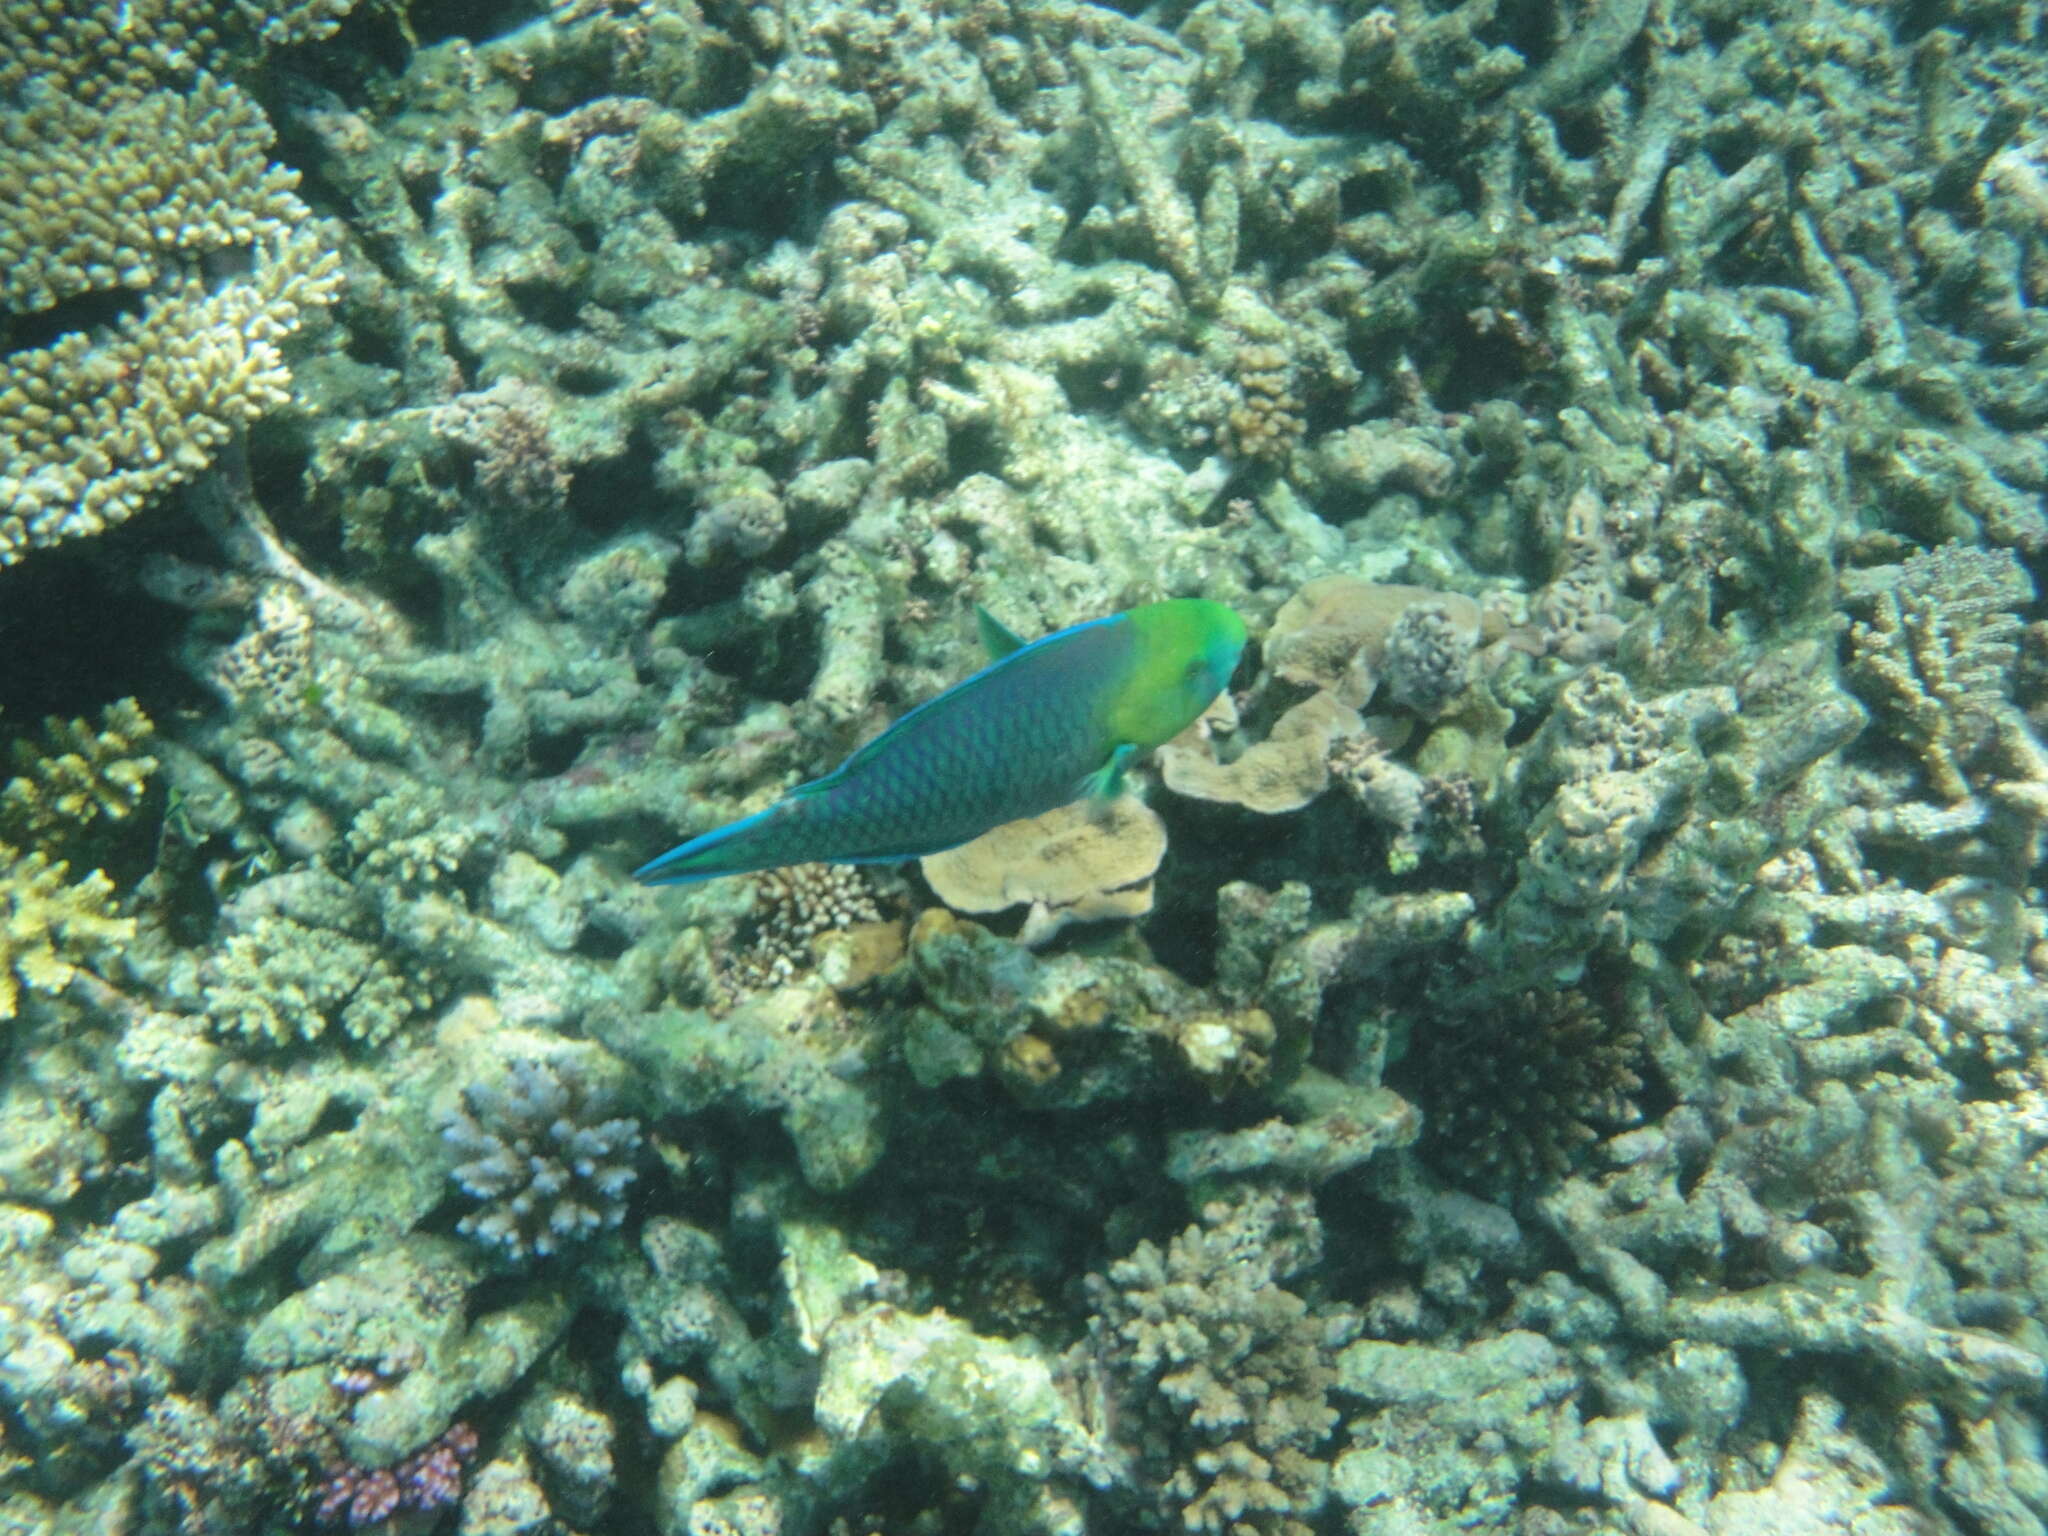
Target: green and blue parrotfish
[(1045, 723)]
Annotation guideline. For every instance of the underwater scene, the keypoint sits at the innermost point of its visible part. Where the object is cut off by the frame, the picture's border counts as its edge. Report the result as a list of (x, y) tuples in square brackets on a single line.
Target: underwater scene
[(1023, 767)]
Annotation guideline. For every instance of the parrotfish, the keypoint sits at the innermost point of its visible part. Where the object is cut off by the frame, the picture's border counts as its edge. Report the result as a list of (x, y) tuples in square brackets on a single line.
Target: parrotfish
[(1047, 722)]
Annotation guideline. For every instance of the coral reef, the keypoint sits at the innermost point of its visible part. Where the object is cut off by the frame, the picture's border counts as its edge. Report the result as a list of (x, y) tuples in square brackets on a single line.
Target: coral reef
[(1561, 1044), (1078, 864), (78, 775), (166, 192)]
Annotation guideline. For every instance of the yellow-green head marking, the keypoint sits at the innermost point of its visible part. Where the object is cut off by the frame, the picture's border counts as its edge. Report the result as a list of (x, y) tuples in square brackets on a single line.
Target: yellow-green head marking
[(1044, 723), (1183, 654)]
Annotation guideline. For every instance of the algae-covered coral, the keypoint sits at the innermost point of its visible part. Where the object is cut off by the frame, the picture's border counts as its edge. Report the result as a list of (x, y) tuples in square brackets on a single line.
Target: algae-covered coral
[(1561, 1044)]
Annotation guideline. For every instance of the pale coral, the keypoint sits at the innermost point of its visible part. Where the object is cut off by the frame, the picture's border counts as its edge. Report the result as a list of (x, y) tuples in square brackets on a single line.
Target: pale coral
[(1282, 773), (1080, 863)]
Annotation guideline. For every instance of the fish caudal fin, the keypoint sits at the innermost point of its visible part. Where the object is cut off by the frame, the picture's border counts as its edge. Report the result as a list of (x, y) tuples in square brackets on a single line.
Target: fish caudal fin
[(732, 849)]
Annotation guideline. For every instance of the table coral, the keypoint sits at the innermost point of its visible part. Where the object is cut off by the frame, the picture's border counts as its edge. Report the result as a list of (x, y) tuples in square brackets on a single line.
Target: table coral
[(1282, 773)]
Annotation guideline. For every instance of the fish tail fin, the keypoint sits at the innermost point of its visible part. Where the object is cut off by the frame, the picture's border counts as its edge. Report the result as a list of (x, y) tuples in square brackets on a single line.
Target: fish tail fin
[(728, 850)]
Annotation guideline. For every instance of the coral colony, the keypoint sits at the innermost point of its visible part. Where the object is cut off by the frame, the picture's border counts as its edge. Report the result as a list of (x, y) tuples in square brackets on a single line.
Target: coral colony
[(1559, 1043)]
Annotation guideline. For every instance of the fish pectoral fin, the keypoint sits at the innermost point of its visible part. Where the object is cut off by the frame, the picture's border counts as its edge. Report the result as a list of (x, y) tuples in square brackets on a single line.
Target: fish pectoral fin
[(996, 639), (1107, 782)]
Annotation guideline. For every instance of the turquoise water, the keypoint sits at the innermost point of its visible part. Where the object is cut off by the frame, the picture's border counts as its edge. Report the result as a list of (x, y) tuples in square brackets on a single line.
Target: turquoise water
[(1557, 1045)]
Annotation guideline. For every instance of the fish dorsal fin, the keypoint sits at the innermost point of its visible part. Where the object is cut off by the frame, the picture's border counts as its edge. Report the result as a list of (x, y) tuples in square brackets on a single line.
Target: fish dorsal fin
[(997, 640)]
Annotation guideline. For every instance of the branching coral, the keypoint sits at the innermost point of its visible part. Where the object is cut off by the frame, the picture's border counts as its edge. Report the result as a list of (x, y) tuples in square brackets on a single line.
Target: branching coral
[(50, 925), (97, 428), (104, 199), (1222, 1372), (793, 907), (278, 981), (116, 184), (538, 1149), (1512, 1095), (97, 57), (1937, 654), (79, 775), (670, 490)]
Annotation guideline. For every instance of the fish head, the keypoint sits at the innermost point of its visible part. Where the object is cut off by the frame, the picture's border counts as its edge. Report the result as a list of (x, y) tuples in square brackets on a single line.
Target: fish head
[(1183, 653)]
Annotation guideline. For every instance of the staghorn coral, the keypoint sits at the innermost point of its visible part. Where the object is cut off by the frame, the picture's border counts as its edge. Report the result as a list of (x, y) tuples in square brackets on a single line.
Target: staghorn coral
[(1937, 653), (536, 1147), (1666, 360), (50, 926)]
